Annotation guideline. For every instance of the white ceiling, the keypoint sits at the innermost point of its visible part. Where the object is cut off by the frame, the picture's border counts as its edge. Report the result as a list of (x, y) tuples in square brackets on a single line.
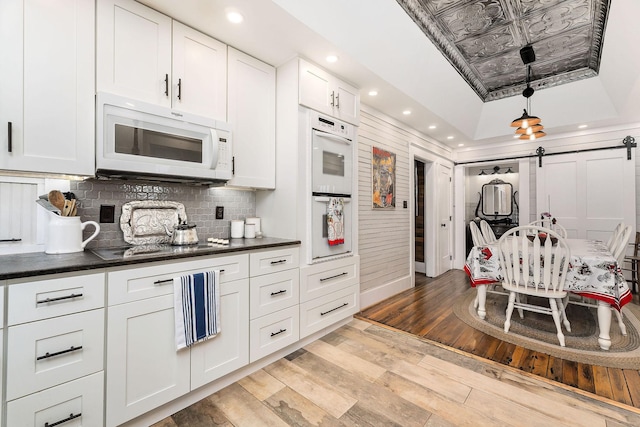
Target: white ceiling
[(381, 48)]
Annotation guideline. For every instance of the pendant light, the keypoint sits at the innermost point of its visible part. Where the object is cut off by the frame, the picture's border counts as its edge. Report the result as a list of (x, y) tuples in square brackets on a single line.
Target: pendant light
[(529, 127)]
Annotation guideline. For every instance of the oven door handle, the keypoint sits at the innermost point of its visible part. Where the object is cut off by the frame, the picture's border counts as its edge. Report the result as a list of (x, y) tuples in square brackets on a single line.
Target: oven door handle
[(326, 199), (336, 138)]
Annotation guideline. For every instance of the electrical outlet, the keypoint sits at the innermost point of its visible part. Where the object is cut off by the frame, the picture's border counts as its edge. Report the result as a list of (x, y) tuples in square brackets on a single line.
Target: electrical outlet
[(219, 212), (107, 213), (404, 204)]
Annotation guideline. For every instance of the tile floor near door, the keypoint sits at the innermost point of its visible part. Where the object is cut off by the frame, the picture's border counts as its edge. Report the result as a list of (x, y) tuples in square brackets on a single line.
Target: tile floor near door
[(367, 375)]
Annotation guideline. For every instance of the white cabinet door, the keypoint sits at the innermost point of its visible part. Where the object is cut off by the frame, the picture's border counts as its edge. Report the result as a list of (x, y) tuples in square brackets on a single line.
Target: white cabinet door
[(252, 116), (134, 51), (145, 370), (47, 86), (229, 350), (325, 93), (199, 75)]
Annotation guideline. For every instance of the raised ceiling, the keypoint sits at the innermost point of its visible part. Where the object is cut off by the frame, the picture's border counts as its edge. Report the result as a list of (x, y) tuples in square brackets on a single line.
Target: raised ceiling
[(482, 40)]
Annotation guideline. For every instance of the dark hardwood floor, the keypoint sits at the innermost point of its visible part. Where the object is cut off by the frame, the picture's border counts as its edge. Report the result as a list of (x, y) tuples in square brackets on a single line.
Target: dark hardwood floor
[(425, 310)]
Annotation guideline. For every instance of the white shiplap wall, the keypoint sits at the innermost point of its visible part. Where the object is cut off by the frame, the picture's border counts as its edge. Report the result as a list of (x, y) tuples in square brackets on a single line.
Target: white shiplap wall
[(384, 234)]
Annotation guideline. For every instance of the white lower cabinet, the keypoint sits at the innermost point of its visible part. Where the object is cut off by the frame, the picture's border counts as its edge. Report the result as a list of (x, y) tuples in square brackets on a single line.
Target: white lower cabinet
[(329, 309), (229, 350), (76, 403), (274, 331), (144, 369)]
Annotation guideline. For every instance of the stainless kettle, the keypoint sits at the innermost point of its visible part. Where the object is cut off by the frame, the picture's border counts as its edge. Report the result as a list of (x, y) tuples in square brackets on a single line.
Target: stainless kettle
[(183, 233)]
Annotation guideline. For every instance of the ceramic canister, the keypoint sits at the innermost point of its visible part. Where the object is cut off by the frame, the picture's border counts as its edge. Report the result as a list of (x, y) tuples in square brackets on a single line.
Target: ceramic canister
[(249, 231), (237, 229)]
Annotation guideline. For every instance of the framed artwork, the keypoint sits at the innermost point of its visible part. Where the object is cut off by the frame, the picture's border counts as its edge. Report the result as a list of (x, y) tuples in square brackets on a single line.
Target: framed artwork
[(383, 176)]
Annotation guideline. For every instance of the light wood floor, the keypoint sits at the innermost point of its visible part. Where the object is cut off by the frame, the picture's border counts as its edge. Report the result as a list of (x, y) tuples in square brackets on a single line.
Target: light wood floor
[(364, 374)]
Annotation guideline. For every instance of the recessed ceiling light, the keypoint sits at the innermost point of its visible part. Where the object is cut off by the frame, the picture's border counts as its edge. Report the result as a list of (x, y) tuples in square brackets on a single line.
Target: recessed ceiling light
[(234, 17), (332, 58), (582, 126), (450, 137), (406, 112), (373, 92), (432, 127), (460, 145)]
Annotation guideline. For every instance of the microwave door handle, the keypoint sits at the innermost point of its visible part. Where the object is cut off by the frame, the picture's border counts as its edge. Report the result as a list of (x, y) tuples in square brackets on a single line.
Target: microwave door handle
[(214, 148), (333, 137)]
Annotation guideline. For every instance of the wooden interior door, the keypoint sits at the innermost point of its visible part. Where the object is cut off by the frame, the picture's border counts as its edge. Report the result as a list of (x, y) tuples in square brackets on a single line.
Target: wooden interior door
[(588, 193)]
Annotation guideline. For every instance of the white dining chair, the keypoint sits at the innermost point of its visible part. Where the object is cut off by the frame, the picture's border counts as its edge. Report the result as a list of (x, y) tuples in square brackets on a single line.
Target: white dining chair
[(487, 232), (611, 243), (541, 273), (547, 223), (476, 235)]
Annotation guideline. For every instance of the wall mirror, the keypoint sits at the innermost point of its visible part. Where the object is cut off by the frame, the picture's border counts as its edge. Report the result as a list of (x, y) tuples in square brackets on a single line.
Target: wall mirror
[(497, 198)]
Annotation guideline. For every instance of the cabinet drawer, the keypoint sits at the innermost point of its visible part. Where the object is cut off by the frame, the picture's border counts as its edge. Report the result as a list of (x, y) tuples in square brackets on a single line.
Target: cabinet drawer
[(273, 332), (273, 292), (329, 309), (80, 400), (135, 284), (324, 278), (49, 352), (273, 261), (43, 299)]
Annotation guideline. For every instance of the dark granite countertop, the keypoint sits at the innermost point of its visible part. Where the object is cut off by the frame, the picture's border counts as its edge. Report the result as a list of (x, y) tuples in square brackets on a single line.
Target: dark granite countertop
[(39, 263)]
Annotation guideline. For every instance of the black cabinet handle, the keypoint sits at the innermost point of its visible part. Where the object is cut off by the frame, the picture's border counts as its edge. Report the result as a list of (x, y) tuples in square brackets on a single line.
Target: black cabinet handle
[(58, 353), (282, 291), (11, 240), (48, 300), (338, 100), (334, 309), (280, 261), (9, 136), (72, 416), (334, 277), (180, 89), (166, 85), (273, 334), (163, 282)]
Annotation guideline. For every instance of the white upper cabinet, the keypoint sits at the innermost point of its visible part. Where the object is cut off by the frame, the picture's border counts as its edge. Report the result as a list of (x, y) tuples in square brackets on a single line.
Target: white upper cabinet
[(199, 73), (327, 94), (47, 85), (145, 55), (252, 109)]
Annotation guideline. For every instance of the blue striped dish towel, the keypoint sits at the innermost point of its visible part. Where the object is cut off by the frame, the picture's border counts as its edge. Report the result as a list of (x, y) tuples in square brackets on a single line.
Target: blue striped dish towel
[(196, 307)]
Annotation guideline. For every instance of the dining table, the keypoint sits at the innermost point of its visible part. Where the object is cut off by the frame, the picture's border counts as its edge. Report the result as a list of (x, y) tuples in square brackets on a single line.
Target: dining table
[(593, 273)]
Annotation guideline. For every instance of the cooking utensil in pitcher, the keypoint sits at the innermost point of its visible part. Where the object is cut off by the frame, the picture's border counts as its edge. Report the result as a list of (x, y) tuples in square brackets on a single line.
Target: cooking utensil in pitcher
[(56, 198)]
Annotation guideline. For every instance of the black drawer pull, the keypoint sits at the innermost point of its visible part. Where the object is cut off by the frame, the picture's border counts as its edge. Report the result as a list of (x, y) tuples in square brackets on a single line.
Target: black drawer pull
[(58, 353), (282, 291), (11, 240), (334, 277), (9, 136), (166, 85), (280, 261), (57, 423), (334, 309), (273, 334), (48, 300), (180, 89)]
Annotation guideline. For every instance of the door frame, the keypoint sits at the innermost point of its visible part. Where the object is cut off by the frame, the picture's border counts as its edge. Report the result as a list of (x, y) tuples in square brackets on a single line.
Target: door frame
[(430, 161)]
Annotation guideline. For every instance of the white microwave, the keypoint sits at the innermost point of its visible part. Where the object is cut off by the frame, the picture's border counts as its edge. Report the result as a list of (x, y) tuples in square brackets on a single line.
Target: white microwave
[(138, 139)]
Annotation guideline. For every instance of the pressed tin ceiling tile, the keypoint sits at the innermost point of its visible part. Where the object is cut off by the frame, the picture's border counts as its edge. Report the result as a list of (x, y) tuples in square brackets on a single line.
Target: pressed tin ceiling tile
[(482, 40)]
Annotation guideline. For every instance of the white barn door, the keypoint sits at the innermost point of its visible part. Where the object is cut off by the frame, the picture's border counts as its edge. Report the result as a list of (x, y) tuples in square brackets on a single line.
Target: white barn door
[(588, 193)]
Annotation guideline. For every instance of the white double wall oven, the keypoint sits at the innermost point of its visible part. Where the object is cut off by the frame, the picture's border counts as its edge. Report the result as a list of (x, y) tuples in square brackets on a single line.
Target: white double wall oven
[(332, 163)]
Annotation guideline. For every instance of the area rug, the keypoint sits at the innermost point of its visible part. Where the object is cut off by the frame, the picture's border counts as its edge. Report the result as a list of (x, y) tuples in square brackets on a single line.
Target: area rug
[(538, 332)]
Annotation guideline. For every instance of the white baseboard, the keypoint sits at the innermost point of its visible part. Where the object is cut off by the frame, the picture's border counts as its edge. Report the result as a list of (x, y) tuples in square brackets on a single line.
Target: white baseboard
[(375, 295)]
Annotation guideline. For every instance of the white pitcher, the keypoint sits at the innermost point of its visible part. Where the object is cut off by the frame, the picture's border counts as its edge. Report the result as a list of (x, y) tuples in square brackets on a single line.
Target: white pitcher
[(65, 234)]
